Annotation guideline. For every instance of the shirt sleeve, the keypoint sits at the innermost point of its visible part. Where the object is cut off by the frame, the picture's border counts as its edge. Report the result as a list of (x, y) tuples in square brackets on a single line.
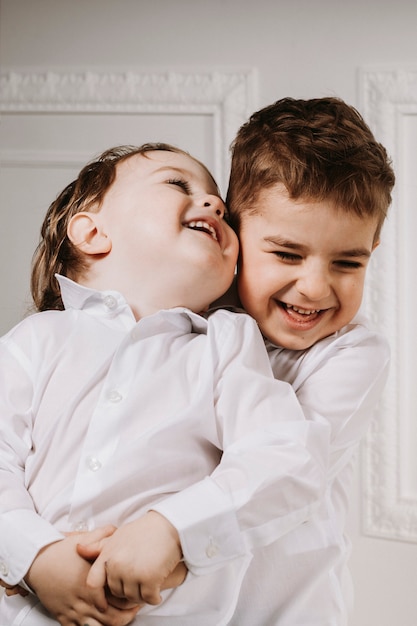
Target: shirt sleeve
[(22, 531), (338, 382), (273, 468)]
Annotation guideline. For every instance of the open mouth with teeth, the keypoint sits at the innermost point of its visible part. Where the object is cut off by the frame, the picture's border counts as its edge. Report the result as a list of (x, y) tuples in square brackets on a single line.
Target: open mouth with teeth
[(301, 311), (298, 314), (204, 227)]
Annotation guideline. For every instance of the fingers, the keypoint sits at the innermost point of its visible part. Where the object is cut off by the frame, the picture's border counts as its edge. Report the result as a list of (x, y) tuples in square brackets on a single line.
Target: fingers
[(129, 589), (132, 590), (90, 551), (13, 590), (149, 593), (96, 581), (91, 543), (112, 618), (122, 603)]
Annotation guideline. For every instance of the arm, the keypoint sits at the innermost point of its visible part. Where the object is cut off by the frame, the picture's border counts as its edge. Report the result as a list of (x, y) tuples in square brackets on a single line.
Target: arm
[(338, 382), (273, 469), (23, 533), (280, 465), (268, 446), (30, 547)]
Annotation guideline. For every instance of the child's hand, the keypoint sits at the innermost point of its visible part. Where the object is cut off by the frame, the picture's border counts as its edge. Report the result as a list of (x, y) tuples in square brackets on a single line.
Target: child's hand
[(13, 590), (58, 577), (136, 562)]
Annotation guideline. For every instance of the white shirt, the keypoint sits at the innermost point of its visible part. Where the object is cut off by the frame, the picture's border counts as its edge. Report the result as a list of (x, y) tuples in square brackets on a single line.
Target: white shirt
[(302, 579), (103, 418)]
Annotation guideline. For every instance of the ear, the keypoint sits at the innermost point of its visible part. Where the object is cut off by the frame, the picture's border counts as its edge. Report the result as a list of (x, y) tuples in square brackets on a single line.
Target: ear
[(376, 244), (84, 232)]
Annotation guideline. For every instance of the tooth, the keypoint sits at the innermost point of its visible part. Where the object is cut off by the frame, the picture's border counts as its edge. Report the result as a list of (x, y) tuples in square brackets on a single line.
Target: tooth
[(205, 225), (302, 311)]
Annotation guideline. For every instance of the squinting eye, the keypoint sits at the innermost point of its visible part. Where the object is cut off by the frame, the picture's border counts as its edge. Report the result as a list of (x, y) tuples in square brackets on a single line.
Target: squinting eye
[(180, 183), (349, 265), (287, 256)]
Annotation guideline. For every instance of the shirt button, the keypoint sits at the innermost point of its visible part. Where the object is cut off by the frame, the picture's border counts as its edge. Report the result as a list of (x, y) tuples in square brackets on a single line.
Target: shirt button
[(211, 549), (4, 568), (79, 527), (110, 302), (93, 463), (115, 396)]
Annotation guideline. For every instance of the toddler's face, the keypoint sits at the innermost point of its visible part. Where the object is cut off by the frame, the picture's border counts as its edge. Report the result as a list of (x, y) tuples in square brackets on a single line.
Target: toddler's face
[(302, 267), (169, 239)]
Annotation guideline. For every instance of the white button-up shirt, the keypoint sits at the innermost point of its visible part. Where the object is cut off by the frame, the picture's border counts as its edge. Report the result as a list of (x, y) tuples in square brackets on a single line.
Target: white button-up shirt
[(302, 579), (103, 418)]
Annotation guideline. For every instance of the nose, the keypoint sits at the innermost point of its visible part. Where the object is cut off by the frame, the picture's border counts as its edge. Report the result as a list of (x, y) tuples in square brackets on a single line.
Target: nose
[(314, 282), (216, 204)]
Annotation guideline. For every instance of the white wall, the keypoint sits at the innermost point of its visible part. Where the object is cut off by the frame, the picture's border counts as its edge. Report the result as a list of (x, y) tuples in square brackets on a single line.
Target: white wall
[(300, 48), (303, 48)]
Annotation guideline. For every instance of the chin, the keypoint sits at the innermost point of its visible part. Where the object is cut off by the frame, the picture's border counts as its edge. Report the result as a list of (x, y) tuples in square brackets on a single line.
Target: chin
[(290, 342)]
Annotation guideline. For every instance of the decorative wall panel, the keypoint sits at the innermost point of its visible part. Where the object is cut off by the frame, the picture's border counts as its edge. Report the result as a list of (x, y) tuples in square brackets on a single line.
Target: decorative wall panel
[(389, 104)]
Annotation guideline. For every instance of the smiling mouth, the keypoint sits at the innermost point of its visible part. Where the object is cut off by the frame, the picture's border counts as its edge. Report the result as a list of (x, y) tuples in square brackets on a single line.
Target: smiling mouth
[(300, 315), (204, 227), (301, 311)]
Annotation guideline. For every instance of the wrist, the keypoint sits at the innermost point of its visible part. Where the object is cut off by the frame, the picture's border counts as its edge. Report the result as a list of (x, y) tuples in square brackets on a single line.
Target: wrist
[(35, 571), (168, 529)]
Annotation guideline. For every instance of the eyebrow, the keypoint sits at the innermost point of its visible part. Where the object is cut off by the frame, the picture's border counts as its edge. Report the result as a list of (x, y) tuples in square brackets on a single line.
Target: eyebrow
[(185, 172), (292, 245), (172, 168)]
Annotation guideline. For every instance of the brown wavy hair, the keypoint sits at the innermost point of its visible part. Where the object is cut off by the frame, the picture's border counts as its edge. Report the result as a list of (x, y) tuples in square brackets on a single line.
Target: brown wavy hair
[(55, 253), (318, 149)]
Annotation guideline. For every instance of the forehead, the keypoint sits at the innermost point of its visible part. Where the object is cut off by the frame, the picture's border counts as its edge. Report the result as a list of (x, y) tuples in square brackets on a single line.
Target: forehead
[(304, 220), (163, 162)]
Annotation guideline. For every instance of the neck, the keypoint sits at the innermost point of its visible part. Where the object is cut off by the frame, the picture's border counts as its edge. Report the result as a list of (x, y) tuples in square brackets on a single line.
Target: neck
[(230, 298)]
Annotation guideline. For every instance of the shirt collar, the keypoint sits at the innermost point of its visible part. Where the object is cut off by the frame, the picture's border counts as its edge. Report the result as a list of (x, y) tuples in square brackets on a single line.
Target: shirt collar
[(76, 296)]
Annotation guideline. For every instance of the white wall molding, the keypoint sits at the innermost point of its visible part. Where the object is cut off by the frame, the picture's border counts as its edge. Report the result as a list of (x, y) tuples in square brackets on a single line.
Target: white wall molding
[(227, 96), (389, 105)]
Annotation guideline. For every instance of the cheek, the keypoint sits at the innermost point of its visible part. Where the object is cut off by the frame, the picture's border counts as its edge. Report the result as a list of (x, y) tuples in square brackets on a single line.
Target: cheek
[(352, 294), (246, 290)]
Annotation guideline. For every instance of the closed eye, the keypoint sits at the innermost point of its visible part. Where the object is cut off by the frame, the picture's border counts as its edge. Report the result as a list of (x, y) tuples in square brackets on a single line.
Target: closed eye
[(349, 265), (287, 256), (180, 182)]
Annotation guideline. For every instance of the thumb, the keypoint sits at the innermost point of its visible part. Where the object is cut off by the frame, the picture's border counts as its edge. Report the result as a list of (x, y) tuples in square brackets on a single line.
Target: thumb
[(93, 541), (90, 551), (96, 581)]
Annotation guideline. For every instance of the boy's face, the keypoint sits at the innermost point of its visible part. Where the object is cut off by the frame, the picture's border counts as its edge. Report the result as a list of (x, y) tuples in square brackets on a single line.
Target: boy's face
[(302, 267), (169, 240)]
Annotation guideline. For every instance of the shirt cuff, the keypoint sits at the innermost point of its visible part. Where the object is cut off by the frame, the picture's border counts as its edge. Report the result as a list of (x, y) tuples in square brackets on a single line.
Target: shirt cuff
[(207, 525), (22, 534)]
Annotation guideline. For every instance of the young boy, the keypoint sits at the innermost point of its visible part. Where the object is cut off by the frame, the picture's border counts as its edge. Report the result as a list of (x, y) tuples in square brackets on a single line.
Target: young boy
[(309, 191), (120, 403)]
